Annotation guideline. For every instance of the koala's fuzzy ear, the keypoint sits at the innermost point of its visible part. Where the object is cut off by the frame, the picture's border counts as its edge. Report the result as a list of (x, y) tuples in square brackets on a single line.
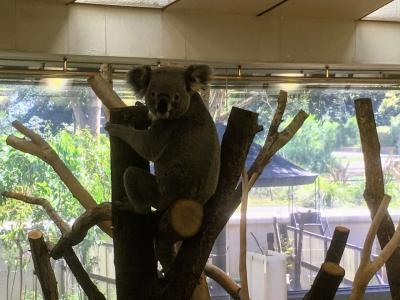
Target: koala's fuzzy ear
[(197, 76), (139, 79)]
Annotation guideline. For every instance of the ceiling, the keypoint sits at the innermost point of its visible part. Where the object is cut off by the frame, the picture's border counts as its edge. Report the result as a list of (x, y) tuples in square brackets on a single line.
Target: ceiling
[(333, 9)]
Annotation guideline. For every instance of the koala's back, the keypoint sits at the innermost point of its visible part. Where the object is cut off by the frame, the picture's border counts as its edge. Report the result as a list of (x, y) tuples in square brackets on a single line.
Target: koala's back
[(189, 165)]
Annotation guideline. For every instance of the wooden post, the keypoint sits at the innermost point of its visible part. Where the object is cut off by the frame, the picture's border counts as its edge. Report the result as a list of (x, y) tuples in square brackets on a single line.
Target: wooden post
[(338, 243), (299, 250), (270, 241), (319, 288), (43, 269), (329, 278), (134, 257)]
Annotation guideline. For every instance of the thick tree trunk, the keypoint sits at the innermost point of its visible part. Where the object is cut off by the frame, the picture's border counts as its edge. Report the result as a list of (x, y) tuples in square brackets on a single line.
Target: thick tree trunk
[(134, 257), (194, 252), (374, 187)]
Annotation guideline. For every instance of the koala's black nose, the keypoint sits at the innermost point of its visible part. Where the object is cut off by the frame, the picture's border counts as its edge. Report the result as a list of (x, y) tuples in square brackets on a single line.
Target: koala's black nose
[(162, 105)]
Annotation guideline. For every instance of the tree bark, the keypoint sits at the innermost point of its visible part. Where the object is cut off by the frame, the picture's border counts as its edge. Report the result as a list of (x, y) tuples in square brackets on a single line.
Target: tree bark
[(134, 257), (41, 262), (81, 276), (194, 252), (338, 243), (333, 256), (374, 187), (329, 278)]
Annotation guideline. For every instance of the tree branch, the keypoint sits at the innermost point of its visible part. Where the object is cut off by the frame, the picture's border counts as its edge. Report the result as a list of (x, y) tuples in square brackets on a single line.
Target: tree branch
[(80, 228), (374, 187), (51, 212), (81, 276), (244, 291), (68, 253), (38, 147), (276, 140), (41, 262), (218, 275), (104, 91), (368, 268)]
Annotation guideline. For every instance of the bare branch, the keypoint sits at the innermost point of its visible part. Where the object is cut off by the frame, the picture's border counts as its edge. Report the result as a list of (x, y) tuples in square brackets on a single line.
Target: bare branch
[(80, 228), (41, 262), (51, 212), (81, 275), (368, 268), (373, 229), (278, 116), (244, 291), (230, 286), (276, 140), (104, 91), (38, 147)]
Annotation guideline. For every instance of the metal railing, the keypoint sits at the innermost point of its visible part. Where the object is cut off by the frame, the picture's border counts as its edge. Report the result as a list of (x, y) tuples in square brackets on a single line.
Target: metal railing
[(311, 254)]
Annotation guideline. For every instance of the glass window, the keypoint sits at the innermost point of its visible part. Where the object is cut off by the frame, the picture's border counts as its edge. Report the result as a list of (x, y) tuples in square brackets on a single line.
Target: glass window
[(320, 172)]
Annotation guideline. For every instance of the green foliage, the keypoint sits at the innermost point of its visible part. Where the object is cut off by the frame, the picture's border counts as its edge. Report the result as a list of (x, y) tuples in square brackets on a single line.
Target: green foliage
[(313, 144), (390, 106), (88, 159), (385, 136), (339, 194), (348, 134)]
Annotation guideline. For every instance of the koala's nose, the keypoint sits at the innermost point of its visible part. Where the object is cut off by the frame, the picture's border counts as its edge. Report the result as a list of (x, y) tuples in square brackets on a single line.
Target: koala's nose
[(162, 104)]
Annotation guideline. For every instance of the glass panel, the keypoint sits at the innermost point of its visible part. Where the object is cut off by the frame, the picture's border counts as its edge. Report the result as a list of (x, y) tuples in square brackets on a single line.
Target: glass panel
[(70, 117)]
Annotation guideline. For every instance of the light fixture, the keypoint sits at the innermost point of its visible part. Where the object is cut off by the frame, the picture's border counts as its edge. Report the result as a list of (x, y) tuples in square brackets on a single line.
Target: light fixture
[(132, 3)]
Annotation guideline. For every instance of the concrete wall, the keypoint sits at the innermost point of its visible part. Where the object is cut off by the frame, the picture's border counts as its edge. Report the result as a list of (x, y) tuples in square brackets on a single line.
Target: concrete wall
[(31, 27), (358, 223)]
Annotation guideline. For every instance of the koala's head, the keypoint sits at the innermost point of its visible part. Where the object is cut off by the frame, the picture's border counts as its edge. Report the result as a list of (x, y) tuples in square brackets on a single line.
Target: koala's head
[(167, 90)]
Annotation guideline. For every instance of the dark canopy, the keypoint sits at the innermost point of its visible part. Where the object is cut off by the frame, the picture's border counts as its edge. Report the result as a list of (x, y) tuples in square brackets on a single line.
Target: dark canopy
[(279, 171)]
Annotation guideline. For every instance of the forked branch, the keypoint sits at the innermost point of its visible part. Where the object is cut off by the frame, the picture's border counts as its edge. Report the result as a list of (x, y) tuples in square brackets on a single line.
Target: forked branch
[(68, 253), (80, 228), (37, 146), (368, 268), (276, 140)]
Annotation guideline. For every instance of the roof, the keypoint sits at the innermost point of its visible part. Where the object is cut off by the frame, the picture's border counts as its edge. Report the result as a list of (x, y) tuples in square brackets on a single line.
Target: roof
[(279, 171)]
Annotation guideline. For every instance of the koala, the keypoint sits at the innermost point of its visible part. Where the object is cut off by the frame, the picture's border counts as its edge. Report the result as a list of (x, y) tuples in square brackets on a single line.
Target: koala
[(181, 140)]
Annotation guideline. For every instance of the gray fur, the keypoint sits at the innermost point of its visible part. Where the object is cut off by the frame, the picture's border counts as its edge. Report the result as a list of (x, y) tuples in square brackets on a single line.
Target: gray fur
[(182, 140)]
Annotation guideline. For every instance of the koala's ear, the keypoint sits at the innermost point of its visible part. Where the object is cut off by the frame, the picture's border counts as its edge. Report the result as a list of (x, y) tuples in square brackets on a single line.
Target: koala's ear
[(139, 79), (197, 77)]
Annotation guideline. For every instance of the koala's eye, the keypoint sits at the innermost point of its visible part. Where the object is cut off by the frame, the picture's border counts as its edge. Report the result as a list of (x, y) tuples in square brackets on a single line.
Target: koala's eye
[(176, 97), (152, 94)]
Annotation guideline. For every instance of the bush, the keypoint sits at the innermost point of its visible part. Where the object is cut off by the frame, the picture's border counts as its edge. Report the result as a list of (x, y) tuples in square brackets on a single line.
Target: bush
[(313, 144)]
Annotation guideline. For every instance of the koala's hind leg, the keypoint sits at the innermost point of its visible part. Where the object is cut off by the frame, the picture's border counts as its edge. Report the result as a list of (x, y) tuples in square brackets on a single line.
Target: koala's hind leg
[(141, 189)]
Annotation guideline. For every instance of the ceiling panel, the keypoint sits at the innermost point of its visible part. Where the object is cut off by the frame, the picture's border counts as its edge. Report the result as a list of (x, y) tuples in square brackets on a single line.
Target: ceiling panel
[(333, 9), (242, 7)]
